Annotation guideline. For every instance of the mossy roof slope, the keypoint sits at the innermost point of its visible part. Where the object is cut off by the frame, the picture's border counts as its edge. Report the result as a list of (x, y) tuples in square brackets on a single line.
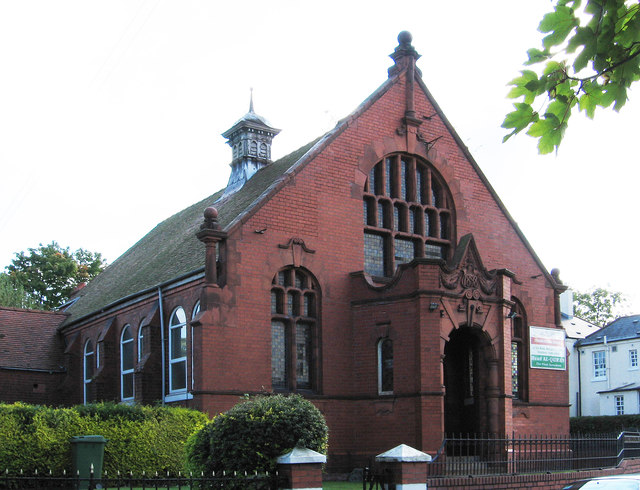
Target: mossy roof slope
[(171, 249)]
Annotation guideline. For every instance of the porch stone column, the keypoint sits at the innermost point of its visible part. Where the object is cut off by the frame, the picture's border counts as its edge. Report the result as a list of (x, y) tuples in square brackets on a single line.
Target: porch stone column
[(406, 466), (302, 469)]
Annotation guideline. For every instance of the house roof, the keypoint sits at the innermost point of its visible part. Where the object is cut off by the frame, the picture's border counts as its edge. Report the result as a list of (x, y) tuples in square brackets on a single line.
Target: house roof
[(29, 340), (171, 250), (624, 328), (577, 328), (625, 387)]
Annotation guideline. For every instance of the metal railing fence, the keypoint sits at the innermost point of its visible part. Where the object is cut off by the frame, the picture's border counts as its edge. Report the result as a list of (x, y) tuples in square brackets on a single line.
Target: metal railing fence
[(485, 454), (124, 481)]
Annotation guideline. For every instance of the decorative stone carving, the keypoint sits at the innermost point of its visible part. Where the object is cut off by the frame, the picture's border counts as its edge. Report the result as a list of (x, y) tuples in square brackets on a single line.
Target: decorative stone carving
[(297, 246)]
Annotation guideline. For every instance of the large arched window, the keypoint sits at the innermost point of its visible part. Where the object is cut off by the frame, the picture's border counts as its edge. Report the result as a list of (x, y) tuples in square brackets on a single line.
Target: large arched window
[(178, 351), (408, 212), (294, 330), (143, 341), (196, 312), (519, 351), (88, 365), (126, 364)]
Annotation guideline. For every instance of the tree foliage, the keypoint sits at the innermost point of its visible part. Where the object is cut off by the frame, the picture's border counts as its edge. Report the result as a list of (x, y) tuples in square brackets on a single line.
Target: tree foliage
[(251, 435), (598, 306), (50, 273), (13, 295), (590, 56)]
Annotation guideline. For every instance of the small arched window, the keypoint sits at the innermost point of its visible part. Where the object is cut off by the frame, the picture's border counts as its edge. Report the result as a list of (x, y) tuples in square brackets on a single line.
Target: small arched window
[(126, 364), (196, 312), (88, 367), (178, 350), (385, 366), (143, 341), (294, 330), (519, 351), (408, 213)]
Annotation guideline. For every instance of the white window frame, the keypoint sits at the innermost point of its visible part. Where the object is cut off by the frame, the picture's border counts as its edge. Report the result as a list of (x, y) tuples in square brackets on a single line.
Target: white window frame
[(173, 359), (123, 372), (633, 358), (140, 342), (618, 401), (85, 358), (599, 358)]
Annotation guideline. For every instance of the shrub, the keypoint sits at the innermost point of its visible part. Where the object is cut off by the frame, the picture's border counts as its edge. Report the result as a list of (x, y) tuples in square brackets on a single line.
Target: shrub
[(251, 435), (140, 438), (604, 424)]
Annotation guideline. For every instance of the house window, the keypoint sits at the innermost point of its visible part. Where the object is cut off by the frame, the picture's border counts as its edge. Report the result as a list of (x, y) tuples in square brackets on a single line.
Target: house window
[(143, 341), (619, 401), (88, 365), (178, 350), (407, 213), (519, 344), (633, 359), (126, 364), (599, 365), (294, 330), (385, 366)]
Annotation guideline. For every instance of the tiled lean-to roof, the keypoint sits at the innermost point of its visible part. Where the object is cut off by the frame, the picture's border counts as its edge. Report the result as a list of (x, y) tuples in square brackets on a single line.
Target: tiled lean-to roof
[(171, 249)]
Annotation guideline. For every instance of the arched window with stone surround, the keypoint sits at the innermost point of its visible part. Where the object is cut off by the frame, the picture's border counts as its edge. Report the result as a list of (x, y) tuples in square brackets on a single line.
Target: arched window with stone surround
[(408, 212), (88, 366), (126, 364), (295, 300), (519, 351)]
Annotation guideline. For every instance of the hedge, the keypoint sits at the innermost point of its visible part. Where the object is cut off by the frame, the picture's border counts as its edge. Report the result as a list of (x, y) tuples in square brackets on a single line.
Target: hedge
[(604, 424), (251, 435), (140, 438)]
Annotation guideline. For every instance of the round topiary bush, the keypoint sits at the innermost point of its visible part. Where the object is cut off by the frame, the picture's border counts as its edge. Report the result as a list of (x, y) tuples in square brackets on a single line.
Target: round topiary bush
[(251, 435)]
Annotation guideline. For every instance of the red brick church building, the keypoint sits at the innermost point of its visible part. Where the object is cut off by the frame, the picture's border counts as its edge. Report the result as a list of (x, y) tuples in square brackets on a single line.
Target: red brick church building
[(374, 271)]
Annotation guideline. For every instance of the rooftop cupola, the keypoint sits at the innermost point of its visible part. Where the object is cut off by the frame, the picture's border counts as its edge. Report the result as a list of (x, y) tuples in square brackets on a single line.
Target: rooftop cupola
[(250, 139)]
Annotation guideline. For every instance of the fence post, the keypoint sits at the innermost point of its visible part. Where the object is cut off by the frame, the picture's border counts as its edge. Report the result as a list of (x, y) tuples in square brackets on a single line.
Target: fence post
[(406, 466), (302, 469)]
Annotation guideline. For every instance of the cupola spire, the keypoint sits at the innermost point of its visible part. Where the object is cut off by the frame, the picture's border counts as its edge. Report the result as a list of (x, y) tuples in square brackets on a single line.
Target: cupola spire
[(250, 139)]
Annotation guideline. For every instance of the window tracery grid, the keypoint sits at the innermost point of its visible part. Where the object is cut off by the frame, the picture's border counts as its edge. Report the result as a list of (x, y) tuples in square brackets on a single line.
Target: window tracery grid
[(407, 213), (294, 325), (519, 353)]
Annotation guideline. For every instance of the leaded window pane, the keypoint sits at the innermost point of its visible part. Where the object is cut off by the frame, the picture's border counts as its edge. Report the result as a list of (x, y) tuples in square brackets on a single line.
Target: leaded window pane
[(374, 254), (515, 369), (444, 227), (403, 179), (433, 251), (427, 224), (404, 251), (278, 355), (396, 218), (387, 178), (303, 355)]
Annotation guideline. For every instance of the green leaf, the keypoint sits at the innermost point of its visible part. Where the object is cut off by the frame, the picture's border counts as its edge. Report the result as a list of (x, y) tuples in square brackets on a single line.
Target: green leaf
[(536, 56), (559, 23)]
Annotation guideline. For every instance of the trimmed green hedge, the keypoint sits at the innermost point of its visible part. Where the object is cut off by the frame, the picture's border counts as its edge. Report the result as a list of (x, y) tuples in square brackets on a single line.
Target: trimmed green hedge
[(604, 424), (251, 435), (140, 438)]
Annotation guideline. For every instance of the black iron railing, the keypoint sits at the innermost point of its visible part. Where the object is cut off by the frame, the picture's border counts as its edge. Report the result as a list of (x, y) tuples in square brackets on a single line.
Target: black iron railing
[(481, 454), (124, 481)]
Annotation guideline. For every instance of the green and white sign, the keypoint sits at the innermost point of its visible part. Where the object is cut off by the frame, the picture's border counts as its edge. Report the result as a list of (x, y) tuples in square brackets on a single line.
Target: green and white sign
[(547, 348)]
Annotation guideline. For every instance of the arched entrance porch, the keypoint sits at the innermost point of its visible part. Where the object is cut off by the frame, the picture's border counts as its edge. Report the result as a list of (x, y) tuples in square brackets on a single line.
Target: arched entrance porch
[(469, 377)]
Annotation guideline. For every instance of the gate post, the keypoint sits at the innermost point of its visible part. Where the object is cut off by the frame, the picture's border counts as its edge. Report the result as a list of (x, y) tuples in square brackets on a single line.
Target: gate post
[(302, 469), (406, 466)]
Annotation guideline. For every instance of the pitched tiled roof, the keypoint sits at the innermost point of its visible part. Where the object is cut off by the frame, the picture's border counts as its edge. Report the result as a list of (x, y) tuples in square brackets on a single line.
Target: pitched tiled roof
[(29, 339), (624, 328), (171, 249)]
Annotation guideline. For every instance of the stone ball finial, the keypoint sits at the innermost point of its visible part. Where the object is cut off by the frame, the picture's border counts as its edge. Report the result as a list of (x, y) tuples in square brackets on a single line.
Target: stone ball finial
[(405, 37), (211, 213), (555, 273)]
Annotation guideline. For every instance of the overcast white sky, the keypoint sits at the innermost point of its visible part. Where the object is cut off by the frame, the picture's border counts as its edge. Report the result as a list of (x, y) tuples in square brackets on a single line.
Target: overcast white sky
[(111, 114)]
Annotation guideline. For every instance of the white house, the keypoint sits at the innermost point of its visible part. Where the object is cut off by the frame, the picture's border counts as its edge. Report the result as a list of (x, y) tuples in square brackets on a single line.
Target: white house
[(609, 370), (575, 329)]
